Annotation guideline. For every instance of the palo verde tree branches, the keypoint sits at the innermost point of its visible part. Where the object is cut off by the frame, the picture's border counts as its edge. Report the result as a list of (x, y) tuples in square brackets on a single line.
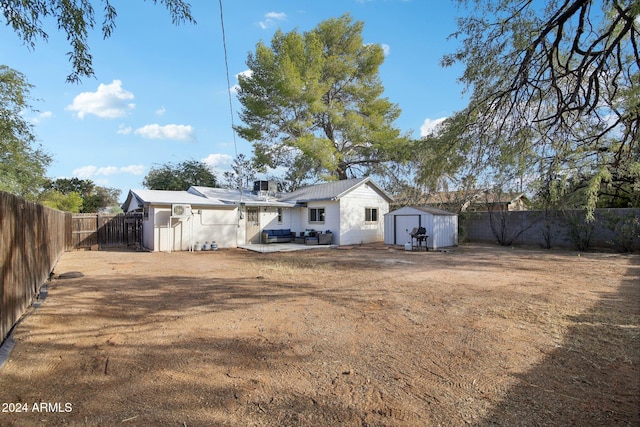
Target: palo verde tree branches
[(555, 91), (76, 19)]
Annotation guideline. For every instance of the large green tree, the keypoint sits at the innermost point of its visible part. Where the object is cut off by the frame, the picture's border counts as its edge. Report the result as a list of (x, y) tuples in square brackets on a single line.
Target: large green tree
[(93, 197), (180, 176), (70, 202), (315, 99), (554, 93), (75, 18), (23, 162)]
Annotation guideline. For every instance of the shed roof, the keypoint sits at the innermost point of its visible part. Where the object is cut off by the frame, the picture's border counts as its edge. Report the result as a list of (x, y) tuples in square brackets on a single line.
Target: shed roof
[(423, 209)]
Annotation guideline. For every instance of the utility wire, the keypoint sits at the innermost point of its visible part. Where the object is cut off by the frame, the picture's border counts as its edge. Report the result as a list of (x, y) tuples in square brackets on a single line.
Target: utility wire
[(226, 64)]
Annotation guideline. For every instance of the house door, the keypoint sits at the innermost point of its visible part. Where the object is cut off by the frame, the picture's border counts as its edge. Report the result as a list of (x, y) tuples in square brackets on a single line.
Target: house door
[(403, 226), (253, 225)]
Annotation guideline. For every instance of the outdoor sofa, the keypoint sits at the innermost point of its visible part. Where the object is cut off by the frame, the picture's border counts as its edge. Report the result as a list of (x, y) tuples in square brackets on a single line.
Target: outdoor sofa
[(284, 235)]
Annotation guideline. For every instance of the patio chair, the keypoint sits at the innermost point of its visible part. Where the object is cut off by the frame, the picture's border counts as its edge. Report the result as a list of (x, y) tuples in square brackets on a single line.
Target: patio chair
[(325, 238)]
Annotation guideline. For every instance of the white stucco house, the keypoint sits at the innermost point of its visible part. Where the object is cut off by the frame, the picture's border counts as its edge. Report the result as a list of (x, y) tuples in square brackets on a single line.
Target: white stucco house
[(352, 210)]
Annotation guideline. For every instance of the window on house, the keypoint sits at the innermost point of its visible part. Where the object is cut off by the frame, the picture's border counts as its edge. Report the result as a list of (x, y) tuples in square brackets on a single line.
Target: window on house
[(280, 215), (316, 214), (145, 211), (371, 214)]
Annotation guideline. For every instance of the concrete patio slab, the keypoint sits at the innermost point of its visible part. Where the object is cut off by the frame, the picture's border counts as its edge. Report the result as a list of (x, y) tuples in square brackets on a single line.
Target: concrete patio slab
[(282, 247)]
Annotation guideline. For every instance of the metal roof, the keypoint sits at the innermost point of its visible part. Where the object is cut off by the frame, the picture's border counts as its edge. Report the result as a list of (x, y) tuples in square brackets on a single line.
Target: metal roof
[(427, 209), (331, 191), (207, 196), (167, 197), (236, 197)]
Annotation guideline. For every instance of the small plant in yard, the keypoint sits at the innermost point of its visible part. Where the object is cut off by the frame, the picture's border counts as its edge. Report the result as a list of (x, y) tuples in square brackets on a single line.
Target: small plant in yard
[(625, 229), (546, 234), (503, 230), (580, 230)]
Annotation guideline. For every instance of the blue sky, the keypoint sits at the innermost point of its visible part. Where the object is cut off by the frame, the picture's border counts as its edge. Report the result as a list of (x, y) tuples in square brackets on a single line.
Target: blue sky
[(160, 91)]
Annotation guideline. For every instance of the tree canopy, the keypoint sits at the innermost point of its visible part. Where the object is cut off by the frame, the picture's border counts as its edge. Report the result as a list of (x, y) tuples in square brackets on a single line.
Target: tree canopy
[(180, 176), (75, 19), (62, 193), (314, 99), (70, 202), (23, 162), (243, 173), (555, 96)]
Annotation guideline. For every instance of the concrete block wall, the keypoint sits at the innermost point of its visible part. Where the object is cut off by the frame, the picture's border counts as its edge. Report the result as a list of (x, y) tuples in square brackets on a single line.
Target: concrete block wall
[(476, 227)]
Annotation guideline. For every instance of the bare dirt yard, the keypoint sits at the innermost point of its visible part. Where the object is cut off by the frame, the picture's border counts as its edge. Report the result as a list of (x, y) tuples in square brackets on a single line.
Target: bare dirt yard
[(359, 336)]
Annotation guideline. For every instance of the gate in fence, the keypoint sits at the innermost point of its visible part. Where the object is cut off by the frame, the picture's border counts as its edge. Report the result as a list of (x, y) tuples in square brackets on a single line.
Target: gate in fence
[(103, 231)]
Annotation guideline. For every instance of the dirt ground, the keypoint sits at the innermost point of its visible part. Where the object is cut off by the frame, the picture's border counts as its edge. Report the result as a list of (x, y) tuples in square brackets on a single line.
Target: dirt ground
[(360, 336)]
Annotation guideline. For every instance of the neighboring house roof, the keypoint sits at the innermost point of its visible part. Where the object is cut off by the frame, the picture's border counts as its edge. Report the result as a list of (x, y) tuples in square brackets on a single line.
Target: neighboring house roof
[(478, 196), (462, 200), (331, 191), (503, 197)]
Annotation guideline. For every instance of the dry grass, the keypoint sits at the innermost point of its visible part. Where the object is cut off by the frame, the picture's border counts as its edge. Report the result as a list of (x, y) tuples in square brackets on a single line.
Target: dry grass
[(362, 336)]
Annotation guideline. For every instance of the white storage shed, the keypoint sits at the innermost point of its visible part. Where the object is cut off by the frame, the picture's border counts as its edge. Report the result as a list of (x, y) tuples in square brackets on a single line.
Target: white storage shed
[(441, 226)]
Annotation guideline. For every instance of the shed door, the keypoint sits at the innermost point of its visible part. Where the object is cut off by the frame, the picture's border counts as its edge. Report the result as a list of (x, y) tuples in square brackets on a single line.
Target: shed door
[(253, 225), (403, 225)]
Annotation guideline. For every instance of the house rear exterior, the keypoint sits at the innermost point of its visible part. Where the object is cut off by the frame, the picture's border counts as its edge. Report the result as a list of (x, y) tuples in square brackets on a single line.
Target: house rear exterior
[(353, 210)]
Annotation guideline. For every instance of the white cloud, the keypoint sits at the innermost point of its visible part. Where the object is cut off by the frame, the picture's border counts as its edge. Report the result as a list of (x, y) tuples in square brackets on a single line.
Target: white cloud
[(90, 171), (161, 111), (174, 132), (44, 115), (218, 161), (108, 102), (271, 18), (124, 130), (133, 169), (430, 126), (245, 73)]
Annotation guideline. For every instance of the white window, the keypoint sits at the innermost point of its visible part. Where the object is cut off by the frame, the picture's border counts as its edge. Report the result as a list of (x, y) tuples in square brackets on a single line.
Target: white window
[(371, 214), (316, 214)]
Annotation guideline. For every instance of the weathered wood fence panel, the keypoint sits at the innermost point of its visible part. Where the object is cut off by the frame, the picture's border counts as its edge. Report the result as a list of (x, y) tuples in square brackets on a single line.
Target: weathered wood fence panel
[(32, 240), (100, 231), (84, 230)]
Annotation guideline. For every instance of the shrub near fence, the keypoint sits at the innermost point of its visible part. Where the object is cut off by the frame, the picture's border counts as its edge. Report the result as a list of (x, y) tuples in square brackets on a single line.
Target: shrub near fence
[(555, 229), (32, 239)]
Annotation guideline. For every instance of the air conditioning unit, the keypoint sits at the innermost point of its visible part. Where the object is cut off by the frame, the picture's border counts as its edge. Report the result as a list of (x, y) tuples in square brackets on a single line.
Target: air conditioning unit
[(180, 210)]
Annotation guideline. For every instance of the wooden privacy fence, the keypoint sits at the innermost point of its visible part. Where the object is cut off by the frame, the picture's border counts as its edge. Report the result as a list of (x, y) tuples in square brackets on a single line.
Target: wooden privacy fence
[(101, 231), (32, 240)]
